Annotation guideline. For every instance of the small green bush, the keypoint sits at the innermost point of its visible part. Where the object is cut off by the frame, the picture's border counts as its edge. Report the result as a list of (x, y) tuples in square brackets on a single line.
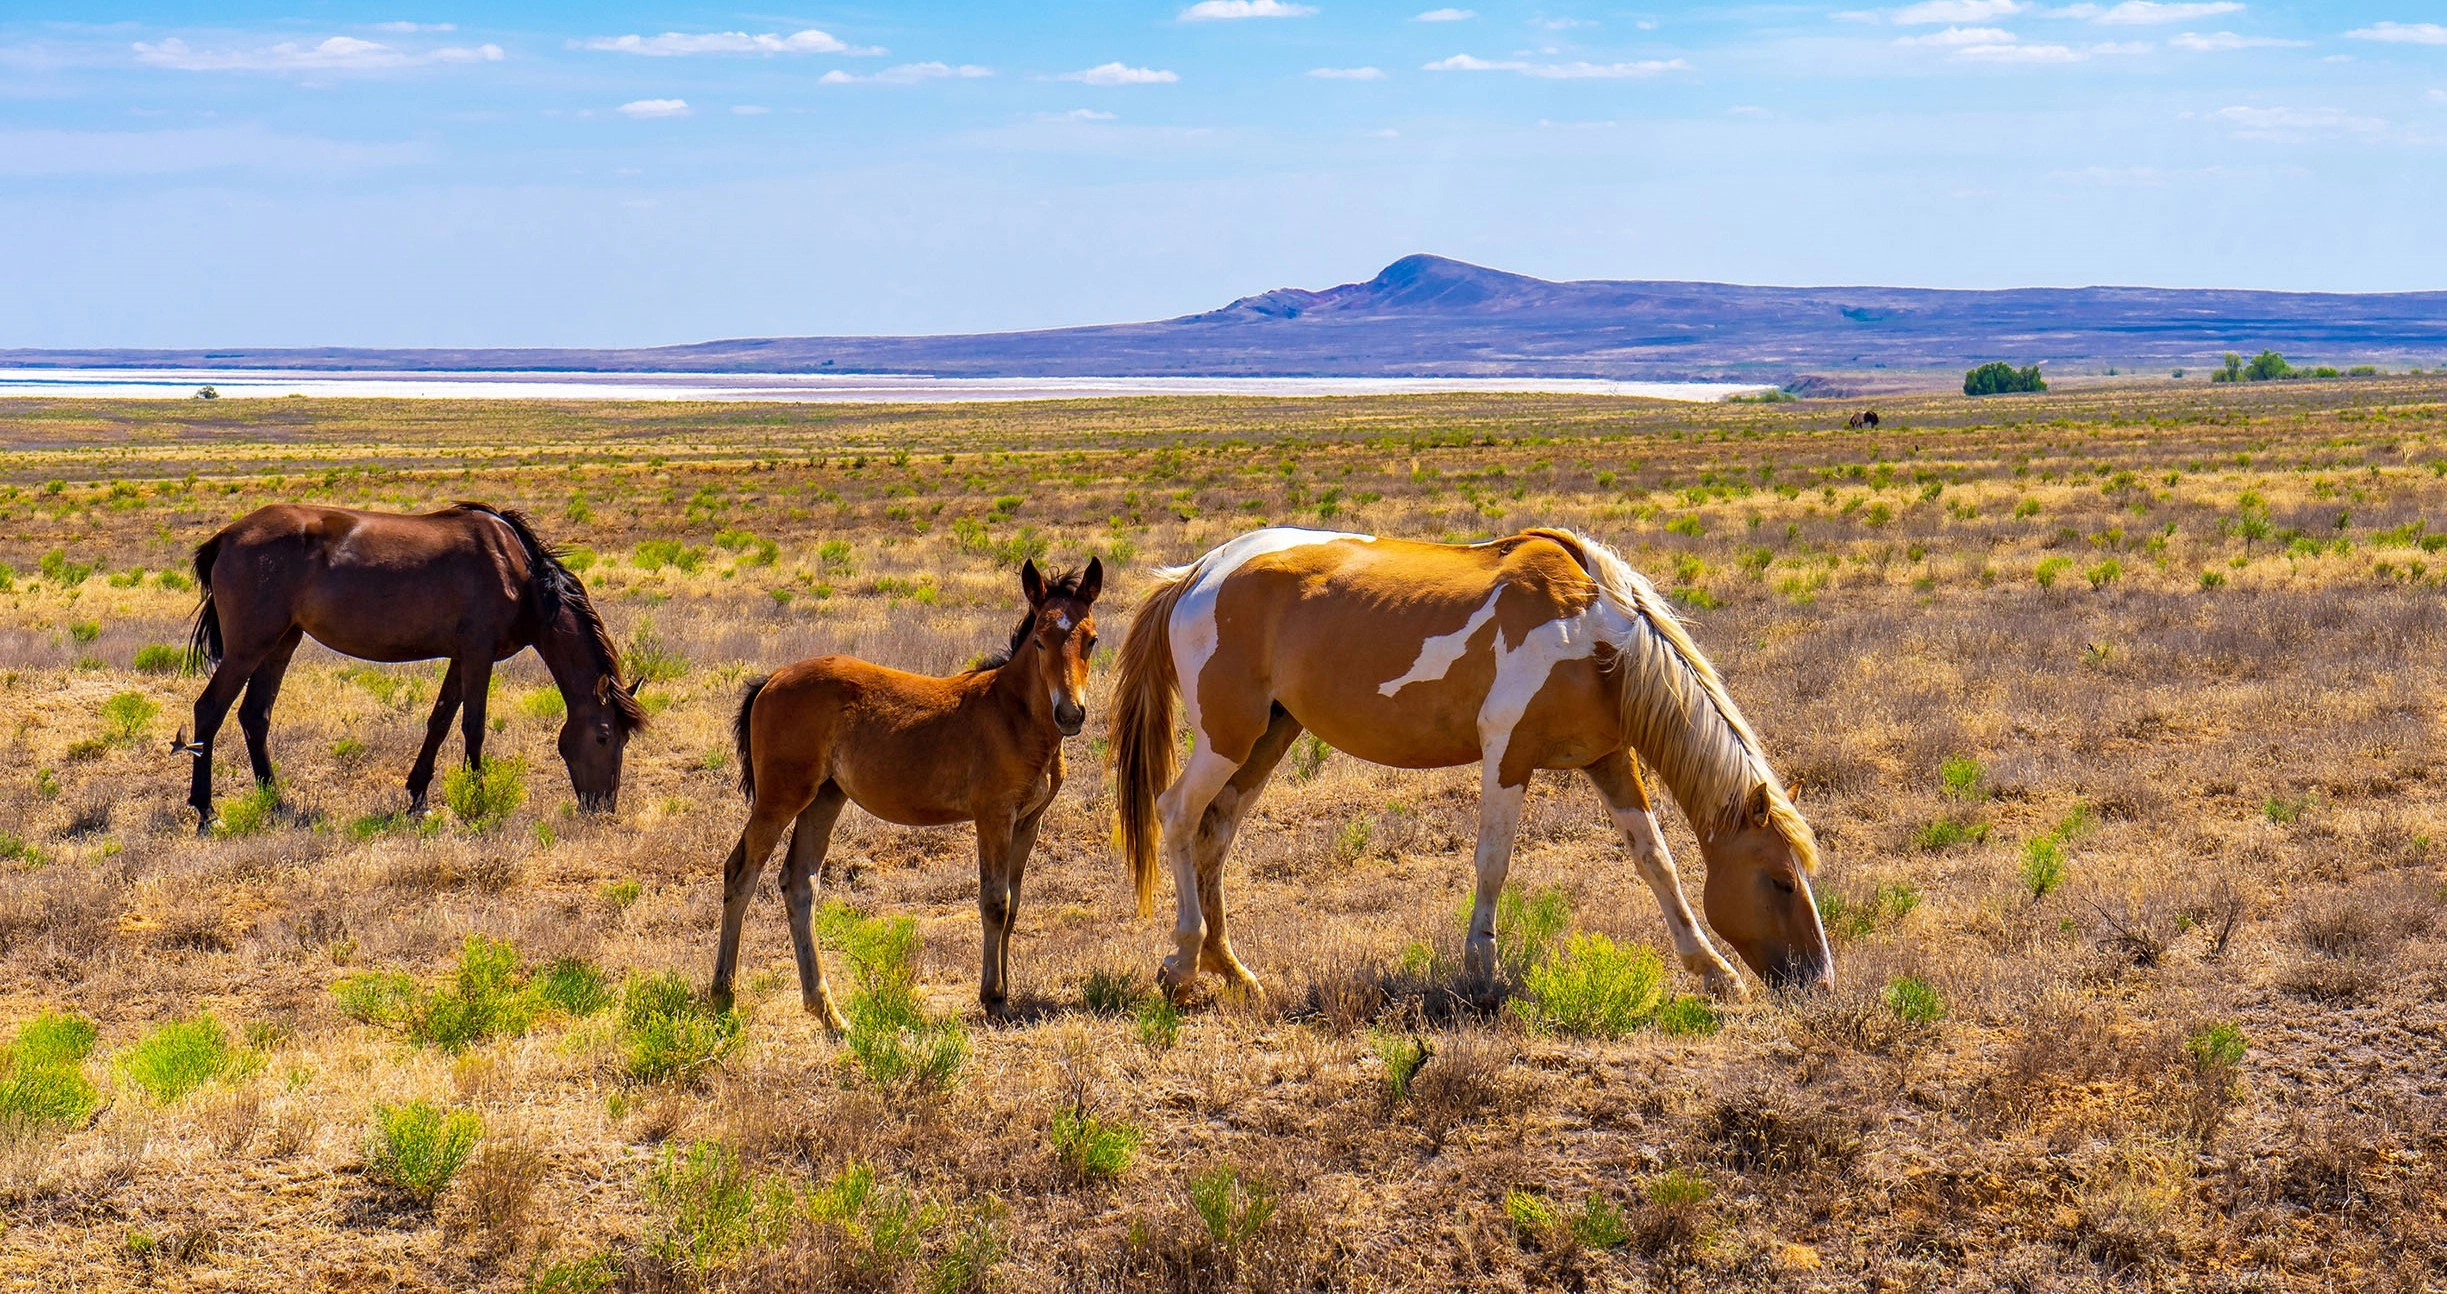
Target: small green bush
[(419, 1146), (1234, 1208), (1092, 1148), (1913, 1000), (1689, 1016), (1404, 1055), (125, 716), (1110, 992), (710, 1207), (1529, 1212), (574, 985), (892, 1038), (2043, 864), (2049, 569), (1159, 1022), (2105, 573), (481, 797), (249, 814), (655, 554), (162, 658), (42, 1081), (668, 1033), (52, 1038), (1964, 778), (1680, 1188), (2218, 1046), (183, 1055), (545, 703), (648, 659), (1595, 988), (1599, 1224), (1947, 832)]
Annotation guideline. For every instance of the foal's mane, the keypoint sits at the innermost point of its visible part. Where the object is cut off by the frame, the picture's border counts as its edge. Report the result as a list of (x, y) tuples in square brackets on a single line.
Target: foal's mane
[(1060, 584), (553, 587), (1675, 710)]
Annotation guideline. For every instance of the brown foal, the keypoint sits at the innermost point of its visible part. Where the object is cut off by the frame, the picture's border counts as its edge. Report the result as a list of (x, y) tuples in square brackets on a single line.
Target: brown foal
[(983, 746)]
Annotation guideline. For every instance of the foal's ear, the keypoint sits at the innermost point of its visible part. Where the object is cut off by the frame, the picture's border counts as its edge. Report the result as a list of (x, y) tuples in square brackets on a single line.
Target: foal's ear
[(1032, 583), (1093, 582)]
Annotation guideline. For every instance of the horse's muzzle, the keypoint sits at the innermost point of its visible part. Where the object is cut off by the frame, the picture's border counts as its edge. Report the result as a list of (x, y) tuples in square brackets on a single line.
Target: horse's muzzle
[(1070, 719), (1801, 972), (599, 803)]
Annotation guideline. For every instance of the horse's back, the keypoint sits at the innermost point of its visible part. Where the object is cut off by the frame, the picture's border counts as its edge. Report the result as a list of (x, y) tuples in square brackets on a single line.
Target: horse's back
[(894, 741), (377, 585)]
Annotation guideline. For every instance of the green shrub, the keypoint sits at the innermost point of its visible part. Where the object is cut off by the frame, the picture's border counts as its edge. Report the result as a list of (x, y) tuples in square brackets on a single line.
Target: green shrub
[(1527, 923), (1159, 1022), (419, 1146), (183, 1055), (655, 554), (1529, 1212), (2219, 1046), (1947, 832), (2105, 573), (1595, 988), (1689, 1016), (2049, 569), (1599, 1224), (162, 658), (42, 1080), (481, 797), (485, 999), (1234, 1208), (545, 703), (588, 1275), (2267, 366), (1091, 1148), (249, 814), (51, 1039), (892, 1038), (1964, 778), (1680, 1188), (1110, 992), (2043, 864), (2000, 378), (709, 1207), (377, 997), (648, 659), (1404, 1055), (574, 985), (125, 716), (1913, 1000), (668, 1033), (64, 573)]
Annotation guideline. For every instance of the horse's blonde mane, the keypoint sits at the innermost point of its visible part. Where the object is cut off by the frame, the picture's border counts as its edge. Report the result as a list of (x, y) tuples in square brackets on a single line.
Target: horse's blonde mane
[(1676, 713)]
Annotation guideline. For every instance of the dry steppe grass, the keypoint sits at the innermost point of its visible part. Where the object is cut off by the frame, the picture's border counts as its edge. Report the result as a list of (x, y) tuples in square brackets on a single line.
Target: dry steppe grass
[(2117, 712)]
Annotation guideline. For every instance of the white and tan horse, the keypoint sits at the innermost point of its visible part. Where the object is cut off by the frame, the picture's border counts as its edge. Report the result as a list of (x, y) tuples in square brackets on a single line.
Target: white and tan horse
[(1544, 650)]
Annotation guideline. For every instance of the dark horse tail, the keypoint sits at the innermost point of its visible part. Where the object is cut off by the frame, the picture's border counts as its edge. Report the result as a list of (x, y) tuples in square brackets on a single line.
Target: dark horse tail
[(204, 641), (739, 734)]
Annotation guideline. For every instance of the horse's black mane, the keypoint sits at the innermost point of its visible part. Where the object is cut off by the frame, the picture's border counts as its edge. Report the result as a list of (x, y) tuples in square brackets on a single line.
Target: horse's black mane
[(554, 587), (1060, 584)]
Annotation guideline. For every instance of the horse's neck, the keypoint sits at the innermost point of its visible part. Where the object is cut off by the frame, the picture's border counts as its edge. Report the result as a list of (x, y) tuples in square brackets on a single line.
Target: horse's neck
[(562, 643), (1018, 689)]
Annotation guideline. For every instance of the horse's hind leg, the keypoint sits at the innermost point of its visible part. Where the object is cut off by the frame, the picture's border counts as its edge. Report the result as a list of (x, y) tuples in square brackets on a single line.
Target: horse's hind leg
[(1215, 834), (1618, 780), (255, 713), (1182, 807), (437, 727), (766, 820), (1499, 819), (809, 842)]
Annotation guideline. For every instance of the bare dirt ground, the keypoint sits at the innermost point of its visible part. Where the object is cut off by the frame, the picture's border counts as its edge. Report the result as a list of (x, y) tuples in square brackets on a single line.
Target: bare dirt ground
[(2116, 711)]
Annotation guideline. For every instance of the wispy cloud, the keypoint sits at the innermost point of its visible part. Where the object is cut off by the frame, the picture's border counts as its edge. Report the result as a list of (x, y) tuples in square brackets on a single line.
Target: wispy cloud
[(1120, 74), (1931, 12), (908, 74), (680, 44), (2141, 13), (2402, 33), (1228, 10), (644, 109), (1347, 73), (2281, 123), (750, 110), (1955, 37), (1560, 71), (1077, 114), (2219, 41), (410, 28), (335, 54), (1446, 15)]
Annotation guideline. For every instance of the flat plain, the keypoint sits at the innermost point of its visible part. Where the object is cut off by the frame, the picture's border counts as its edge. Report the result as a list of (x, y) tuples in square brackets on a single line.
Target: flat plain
[(2116, 712)]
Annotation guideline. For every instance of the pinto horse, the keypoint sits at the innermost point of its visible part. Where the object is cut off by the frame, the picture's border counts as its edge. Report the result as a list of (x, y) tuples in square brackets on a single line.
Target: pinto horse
[(470, 583), (1543, 650), (984, 746)]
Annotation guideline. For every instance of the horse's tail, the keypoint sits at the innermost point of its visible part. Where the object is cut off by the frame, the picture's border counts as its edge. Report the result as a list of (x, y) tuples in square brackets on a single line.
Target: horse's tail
[(1143, 751), (739, 734), (204, 640)]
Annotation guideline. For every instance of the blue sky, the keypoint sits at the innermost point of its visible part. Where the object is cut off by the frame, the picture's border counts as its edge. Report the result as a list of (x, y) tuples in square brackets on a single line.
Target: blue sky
[(436, 173)]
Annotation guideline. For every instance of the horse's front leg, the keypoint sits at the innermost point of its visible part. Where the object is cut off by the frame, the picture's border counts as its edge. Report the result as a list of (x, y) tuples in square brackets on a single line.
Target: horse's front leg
[(437, 726), (997, 828), (1023, 842), (1618, 781), (1499, 818), (210, 709)]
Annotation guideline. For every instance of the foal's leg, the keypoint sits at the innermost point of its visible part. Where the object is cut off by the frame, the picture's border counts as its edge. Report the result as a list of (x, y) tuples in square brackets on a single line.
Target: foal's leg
[(437, 726), (1499, 817), (996, 830), (810, 840), (766, 820), (1023, 840), (1216, 830), (255, 713), (1618, 780), (1181, 808)]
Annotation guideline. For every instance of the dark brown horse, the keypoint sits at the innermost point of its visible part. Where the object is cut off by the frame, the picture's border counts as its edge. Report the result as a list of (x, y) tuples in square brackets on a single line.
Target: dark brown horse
[(1865, 418), (471, 584), (983, 746)]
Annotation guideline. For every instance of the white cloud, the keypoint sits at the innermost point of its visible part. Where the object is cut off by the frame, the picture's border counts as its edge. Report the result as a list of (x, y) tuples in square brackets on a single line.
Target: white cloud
[(677, 44), (1958, 36), (1560, 24), (1929, 12), (1120, 74), (2218, 41), (1750, 110), (2438, 96), (1446, 15), (2272, 123), (334, 54), (408, 28), (2402, 33), (908, 74), (749, 110), (1227, 10), (1076, 114), (2020, 53), (1560, 71), (643, 109), (1347, 73), (2137, 13)]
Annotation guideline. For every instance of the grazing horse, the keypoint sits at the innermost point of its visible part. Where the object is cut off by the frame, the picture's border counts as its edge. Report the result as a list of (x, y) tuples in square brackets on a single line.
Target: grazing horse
[(470, 583), (1865, 418), (984, 746), (1544, 650)]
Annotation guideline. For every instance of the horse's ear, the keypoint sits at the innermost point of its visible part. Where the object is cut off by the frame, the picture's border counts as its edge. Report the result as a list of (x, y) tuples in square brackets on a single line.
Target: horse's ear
[(1792, 793), (1032, 583), (1754, 807), (1093, 582), (634, 684)]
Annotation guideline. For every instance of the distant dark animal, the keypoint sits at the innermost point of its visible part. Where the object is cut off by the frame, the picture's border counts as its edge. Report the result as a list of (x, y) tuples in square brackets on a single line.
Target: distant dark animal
[(1865, 418), (471, 584), (983, 746)]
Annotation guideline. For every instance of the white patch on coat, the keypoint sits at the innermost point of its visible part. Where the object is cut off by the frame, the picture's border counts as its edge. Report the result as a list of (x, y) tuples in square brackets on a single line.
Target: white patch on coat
[(1521, 671), (1195, 633), (1439, 654)]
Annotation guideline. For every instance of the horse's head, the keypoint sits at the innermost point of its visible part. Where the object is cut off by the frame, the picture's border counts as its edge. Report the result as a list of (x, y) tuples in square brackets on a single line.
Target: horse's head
[(593, 739), (1758, 894), (1062, 632)]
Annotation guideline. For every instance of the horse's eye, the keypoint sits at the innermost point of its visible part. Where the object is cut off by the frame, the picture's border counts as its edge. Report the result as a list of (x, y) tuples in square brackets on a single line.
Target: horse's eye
[(1782, 885)]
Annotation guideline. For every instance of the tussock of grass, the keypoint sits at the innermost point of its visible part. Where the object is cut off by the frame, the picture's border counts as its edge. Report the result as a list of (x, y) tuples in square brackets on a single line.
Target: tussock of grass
[(490, 995), (893, 1039), (668, 1033), (419, 1146), (480, 798), (42, 1079), (1594, 988), (177, 1058)]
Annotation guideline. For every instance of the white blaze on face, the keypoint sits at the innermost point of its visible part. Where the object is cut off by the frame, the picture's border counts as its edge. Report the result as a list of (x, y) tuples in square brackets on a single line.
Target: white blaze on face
[(1195, 633)]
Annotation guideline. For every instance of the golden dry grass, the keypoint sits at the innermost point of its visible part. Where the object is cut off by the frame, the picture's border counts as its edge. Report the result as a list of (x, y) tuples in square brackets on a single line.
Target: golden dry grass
[(2238, 772)]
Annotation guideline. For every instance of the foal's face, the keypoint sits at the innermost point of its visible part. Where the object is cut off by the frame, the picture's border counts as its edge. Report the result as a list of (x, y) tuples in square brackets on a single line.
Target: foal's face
[(1759, 899), (1064, 640), (592, 741)]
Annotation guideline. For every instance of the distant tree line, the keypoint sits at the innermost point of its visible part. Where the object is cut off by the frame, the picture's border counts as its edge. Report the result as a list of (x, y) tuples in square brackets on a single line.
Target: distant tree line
[(2000, 378), (2269, 366)]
